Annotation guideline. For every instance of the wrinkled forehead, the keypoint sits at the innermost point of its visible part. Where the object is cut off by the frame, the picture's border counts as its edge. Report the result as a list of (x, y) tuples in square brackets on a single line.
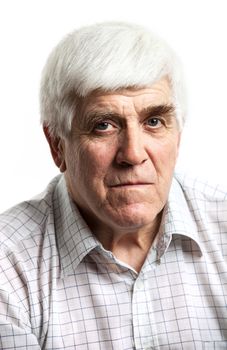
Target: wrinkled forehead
[(159, 93)]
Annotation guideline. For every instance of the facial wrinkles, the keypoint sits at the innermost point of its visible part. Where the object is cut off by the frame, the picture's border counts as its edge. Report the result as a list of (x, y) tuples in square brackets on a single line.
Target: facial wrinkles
[(129, 136), (130, 111), (110, 101), (101, 185), (149, 171)]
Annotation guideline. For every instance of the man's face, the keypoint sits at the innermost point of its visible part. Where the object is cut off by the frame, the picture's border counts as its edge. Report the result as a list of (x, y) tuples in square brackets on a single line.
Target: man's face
[(121, 156)]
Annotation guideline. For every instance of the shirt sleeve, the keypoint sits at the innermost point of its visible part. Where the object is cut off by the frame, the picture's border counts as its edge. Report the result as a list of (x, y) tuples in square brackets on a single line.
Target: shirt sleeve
[(12, 337), (14, 333), (15, 327)]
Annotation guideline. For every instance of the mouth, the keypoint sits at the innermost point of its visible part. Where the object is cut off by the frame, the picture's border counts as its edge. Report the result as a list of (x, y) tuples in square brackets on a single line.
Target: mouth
[(131, 184)]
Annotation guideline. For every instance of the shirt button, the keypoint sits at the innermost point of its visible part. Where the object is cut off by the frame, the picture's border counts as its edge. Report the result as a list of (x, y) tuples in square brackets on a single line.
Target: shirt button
[(149, 347), (139, 284)]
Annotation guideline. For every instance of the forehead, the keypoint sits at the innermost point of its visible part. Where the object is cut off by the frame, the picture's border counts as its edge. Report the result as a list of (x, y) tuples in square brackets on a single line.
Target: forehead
[(159, 93)]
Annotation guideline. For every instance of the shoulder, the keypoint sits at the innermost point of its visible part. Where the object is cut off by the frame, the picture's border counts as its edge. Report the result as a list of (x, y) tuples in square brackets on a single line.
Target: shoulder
[(207, 204), (26, 220), (200, 189)]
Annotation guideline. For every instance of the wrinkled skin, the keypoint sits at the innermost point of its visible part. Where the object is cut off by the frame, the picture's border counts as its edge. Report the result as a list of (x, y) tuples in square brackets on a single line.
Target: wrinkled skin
[(119, 161)]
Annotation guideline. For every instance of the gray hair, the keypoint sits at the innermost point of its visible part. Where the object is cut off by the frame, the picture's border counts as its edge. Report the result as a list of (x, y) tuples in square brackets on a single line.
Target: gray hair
[(107, 56)]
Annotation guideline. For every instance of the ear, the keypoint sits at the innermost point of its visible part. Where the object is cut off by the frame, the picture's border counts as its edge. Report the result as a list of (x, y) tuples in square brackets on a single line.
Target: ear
[(179, 140), (57, 149)]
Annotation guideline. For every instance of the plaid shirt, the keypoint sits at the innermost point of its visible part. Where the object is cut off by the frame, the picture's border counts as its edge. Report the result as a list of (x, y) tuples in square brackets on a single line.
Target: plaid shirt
[(60, 289)]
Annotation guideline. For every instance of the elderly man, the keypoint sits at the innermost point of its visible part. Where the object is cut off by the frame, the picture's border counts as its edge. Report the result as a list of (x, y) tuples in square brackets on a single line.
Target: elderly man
[(117, 253)]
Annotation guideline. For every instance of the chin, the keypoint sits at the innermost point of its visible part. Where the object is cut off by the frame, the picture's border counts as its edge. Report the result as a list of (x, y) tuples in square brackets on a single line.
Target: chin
[(135, 216)]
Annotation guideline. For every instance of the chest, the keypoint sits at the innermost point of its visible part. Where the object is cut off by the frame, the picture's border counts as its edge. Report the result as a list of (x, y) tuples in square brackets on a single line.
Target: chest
[(179, 303)]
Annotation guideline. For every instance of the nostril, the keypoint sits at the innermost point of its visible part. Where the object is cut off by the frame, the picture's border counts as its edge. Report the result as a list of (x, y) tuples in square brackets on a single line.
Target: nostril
[(125, 164)]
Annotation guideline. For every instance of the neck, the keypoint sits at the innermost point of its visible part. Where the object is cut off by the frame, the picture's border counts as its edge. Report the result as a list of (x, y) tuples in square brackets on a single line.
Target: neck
[(129, 246)]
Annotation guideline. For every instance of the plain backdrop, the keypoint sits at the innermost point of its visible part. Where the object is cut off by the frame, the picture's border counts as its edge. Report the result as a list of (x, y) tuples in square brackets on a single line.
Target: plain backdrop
[(29, 29)]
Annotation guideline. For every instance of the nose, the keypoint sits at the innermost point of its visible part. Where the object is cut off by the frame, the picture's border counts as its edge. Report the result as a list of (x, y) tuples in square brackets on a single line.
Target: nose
[(131, 149)]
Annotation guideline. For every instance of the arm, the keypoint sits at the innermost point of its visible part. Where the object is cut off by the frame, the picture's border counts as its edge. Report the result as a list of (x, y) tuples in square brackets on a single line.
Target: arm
[(15, 326), (14, 332)]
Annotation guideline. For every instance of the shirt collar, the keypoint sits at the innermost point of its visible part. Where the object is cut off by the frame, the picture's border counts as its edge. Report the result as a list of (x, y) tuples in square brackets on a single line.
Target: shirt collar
[(177, 219), (74, 238)]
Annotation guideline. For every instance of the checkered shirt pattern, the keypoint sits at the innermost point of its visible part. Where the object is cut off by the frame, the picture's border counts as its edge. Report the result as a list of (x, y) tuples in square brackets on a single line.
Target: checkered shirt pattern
[(60, 289)]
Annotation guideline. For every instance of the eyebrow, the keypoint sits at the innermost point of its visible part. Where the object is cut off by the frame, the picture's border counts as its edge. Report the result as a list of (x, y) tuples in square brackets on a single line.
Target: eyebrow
[(166, 111), (91, 118), (159, 110)]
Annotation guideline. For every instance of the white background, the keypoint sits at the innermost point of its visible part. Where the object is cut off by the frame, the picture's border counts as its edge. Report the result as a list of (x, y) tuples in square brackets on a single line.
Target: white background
[(197, 30)]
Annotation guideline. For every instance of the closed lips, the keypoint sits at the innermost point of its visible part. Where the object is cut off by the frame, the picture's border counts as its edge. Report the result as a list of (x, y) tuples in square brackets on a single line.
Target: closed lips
[(131, 184)]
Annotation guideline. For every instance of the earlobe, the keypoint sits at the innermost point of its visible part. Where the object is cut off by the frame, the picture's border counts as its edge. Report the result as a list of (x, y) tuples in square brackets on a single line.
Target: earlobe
[(178, 144), (57, 149), (179, 140)]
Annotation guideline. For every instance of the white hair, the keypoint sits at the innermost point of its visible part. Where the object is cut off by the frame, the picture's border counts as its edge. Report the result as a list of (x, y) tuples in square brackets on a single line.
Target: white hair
[(107, 56)]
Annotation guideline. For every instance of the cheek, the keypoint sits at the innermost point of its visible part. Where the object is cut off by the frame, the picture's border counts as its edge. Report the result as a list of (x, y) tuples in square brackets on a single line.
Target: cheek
[(90, 160), (164, 155)]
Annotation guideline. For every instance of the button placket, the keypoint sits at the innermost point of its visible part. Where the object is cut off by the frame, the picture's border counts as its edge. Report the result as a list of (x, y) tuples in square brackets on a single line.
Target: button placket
[(144, 334)]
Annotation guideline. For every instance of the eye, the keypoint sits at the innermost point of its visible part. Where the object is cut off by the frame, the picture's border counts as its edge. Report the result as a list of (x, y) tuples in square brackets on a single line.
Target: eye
[(102, 126), (154, 123)]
